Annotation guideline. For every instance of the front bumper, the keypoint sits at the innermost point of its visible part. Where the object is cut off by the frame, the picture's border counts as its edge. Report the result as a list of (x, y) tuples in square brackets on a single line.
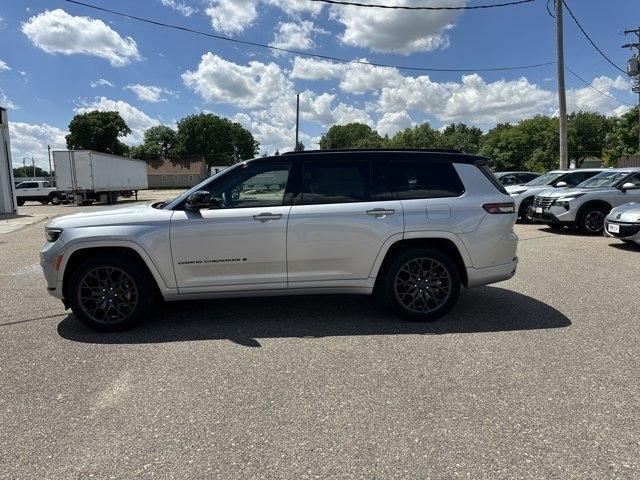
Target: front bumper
[(48, 261), (626, 230), (554, 214)]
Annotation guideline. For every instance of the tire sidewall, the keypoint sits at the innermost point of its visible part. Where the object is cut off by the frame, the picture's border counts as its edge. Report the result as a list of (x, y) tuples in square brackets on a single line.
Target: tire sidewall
[(582, 225), (523, 210), (399, 262), (137, 274)]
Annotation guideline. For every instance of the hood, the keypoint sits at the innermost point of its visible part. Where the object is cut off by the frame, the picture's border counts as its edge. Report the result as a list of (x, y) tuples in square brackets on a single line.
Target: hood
[(568, 192), (524, 189), (629, 212), (114, 216)]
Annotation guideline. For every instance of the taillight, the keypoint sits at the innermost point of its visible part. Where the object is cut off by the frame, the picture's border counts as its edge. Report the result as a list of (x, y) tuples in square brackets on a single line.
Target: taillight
[(508, 207)]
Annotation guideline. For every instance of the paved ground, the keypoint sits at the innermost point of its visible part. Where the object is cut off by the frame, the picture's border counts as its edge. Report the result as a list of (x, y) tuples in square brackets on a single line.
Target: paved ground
[(537, 377)]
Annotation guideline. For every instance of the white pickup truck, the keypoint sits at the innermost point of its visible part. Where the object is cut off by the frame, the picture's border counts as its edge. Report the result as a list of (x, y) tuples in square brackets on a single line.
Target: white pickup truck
[(37, 191)]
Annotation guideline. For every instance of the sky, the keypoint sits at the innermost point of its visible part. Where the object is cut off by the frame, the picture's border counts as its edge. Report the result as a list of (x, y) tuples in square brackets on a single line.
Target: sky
[(58, 59)]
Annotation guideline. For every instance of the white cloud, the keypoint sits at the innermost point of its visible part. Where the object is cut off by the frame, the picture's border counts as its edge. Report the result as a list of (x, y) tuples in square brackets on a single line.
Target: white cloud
[(296, 35), (256, 85), (6, 102), (294, 7), (181, 7), (397, 31), (136, 120), (588, 99), (55, 31), (471, 100), (392, 122), (149, 93), (32, 140), (4, 66), (232, 16), (354, 77), (101, 82)]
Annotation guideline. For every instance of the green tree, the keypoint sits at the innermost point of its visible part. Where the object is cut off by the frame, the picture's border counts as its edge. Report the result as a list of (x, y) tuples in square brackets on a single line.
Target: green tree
[(99, 131), (531, 144), (459, 136), (351, 135), (420, 136), (623, 137), (587, 133), (219, 140), (159, 142), (28, 172)]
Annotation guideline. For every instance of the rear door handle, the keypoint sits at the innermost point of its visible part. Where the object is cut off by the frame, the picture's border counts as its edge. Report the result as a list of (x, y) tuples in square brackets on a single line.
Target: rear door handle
[(267, 217), (381, 212)]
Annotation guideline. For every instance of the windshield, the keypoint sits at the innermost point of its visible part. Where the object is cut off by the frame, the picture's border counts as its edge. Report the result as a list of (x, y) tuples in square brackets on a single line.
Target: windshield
[(545, 179), (604, 179), (201, 186)]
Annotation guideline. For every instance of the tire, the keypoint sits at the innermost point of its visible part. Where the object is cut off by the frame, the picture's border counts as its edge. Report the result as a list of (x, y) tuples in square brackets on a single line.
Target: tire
[(526, 210), (44, 202), (127, 288), (54, 199), (20, 202), (591, 221), (416, 303)]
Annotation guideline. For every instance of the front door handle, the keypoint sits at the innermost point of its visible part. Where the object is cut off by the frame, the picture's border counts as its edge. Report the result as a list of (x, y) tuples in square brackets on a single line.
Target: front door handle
[(381, 212), (267, 217)]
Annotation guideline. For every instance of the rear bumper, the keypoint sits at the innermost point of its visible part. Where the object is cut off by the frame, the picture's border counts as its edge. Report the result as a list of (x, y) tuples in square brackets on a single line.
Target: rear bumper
[(485, 276)]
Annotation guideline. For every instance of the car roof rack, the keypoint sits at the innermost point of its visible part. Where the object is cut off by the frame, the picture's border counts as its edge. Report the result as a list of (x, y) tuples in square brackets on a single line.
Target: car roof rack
[(340, 150)]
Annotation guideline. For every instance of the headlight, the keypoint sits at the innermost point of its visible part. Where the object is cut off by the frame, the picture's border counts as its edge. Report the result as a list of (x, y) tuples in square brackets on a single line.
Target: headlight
[(569, 198), (518, 192), (52, 234)]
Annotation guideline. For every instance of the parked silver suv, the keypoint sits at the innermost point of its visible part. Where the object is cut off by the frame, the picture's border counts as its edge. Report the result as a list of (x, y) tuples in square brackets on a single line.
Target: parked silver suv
[(523, 195), (412, 225), (587, 205)]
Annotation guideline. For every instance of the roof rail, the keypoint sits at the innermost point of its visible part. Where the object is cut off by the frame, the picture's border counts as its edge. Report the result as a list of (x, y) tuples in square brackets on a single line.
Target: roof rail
[(337, 150)]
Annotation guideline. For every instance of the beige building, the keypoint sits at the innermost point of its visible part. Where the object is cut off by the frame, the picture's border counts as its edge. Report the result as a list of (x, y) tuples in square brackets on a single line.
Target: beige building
[(182, 172)]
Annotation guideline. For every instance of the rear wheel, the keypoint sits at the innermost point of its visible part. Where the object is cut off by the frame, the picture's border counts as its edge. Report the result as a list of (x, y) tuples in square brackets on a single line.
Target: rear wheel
[(109, 292), (54, 199), (422, 285), (591, 220), (20, 202)]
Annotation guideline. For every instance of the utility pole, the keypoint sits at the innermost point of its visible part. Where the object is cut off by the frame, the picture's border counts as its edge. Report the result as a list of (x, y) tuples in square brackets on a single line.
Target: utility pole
[(562, 96), (297, 121), (33, 162), (633, 70), (49, 153)]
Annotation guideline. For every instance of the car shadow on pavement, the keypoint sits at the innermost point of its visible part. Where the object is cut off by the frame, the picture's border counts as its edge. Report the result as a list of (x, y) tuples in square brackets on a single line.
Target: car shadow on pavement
[(629, 247), (243, 321)]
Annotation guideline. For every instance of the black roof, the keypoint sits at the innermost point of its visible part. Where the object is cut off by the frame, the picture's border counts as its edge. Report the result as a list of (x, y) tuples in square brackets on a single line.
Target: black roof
[(392, 154)]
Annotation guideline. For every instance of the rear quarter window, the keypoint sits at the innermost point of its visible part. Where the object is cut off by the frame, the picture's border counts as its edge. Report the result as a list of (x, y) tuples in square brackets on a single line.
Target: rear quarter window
[(426, 179), (492, 178)]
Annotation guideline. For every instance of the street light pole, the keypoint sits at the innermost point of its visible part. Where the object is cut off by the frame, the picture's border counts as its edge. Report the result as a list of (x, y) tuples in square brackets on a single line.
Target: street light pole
[(562, 97), (297, 121)]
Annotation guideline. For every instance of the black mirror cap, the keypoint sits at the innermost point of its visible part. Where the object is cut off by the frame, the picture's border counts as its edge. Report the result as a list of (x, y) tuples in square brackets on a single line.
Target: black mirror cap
[(197, 200)]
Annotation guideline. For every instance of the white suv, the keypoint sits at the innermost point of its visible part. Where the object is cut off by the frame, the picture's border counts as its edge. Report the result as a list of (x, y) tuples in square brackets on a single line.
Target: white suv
[(412, 225)]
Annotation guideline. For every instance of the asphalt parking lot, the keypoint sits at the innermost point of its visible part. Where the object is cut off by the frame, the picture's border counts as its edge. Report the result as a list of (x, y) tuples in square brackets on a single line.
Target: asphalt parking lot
[(537, 377)]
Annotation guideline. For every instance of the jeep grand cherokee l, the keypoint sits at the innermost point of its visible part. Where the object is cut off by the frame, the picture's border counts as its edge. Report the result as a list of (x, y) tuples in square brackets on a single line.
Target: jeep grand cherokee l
[(413, 226)]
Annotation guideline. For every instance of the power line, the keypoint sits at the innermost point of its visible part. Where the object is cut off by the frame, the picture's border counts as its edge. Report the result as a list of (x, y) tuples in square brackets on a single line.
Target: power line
[(589, 38), (408, 7), (594, 88), (307, 54)]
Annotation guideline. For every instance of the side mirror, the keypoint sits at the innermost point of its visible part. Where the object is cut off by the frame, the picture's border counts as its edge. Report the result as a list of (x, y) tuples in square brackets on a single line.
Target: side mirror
[(628, 186), (198, 200), (561, 184)]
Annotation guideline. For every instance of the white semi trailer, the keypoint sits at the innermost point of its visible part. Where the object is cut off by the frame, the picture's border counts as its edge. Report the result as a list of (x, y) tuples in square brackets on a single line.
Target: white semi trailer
[(7, 193), (85, 176)]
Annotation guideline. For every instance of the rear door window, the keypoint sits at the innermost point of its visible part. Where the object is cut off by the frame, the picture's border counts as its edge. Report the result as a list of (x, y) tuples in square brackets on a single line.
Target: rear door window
[(335, 182), (426, 179)]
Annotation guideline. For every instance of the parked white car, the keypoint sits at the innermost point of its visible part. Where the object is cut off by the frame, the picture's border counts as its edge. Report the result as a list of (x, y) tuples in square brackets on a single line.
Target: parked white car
[(623, 222), (523, 195), (36, 191), (413, 226)]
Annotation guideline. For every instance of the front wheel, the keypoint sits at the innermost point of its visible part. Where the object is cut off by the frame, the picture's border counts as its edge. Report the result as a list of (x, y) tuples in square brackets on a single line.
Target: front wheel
[(109, 292), (526, 211), (422, 285), (591, 220)]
